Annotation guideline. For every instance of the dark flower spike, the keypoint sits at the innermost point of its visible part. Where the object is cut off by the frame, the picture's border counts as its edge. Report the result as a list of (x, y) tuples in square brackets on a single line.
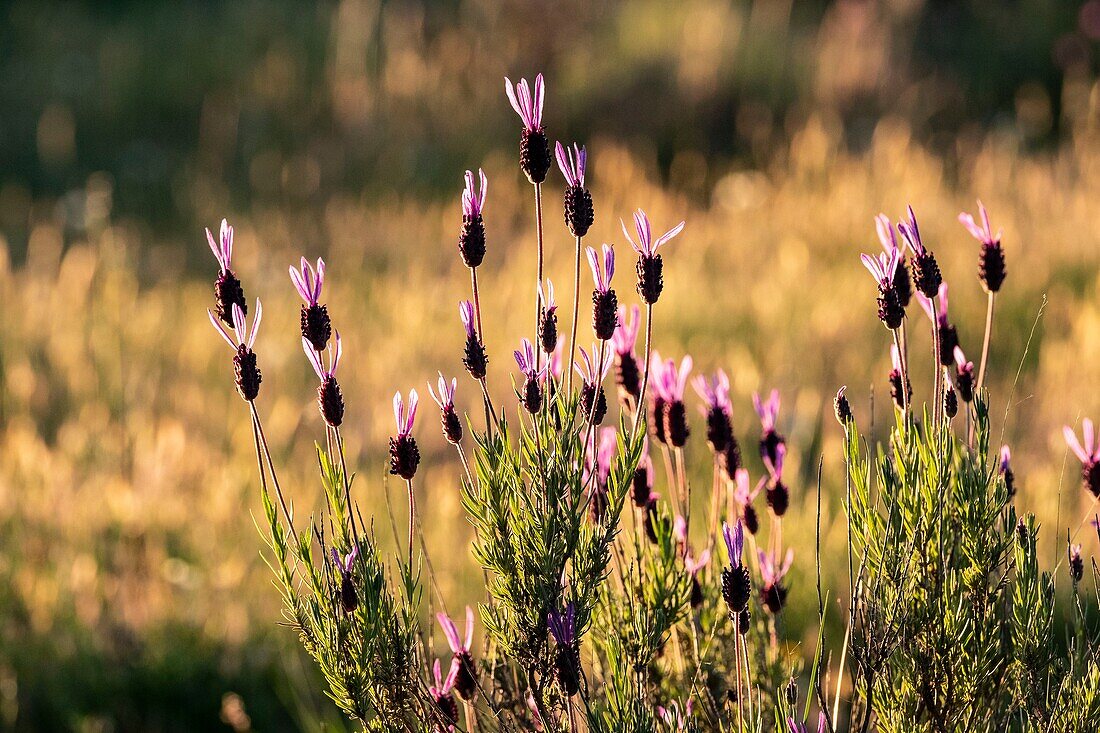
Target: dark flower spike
[(778, 496), (441, 693), (895, 381), (1005, 468), (227, 288), (531, 397), (1088, 453), (593, 399), (579, 214), (926, 271), (568, 663), (884, 270), (448, 416), (316, 325), (404, 453), (692, 566), (716, 408), (471, 240), (736, 585), (841, 407), (768, 412), (641, 486), (605, 303), (903, 287), (991, 263), (949, 337), (349, 598), (773, 593), (597, 471), (669, 385), (548, 319), (330, 400), (465, 682), (650, 268), (964, 376), (245, 369), (534, 148), (627, 374), (473, 357), (1076, 564), (745, 497)]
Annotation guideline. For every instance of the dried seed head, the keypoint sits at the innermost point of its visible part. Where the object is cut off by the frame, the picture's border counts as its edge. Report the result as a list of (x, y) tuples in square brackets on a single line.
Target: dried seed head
[(579, 213), (779, 498), (330, 401), (736, 588), (676, 424), (228, 293), (471, 240), (593, 402), (991, 266), (651, 282), (605, 317), (247, 373), (534, 154), (316, 326), (404, 456)]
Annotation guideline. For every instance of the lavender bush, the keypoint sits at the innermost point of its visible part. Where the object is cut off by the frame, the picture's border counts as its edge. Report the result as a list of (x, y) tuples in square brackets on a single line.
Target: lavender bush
[(611, 605)]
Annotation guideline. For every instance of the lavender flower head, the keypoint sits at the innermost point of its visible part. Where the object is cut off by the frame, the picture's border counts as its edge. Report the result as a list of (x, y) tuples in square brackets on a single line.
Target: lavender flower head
[(579, 214), (548, 319), (841, 407), (795, 726), (900, 399), (926, 271), (448, 416), (670, 384), (465, 681), (991, 261), (717, 406), (674, 717), (777, 495), (903, 286), (656, 416), (650, 268), (531, 396), (627, 374), (744, 497), (471, 240), (227, 288), (315, 321), (964, 376), (534, 148), (736, 586), (593, 398), (884, 269), (692, 566), (1076, 563), (1088, 453), (1004, 467), (330, 400), (557, 358), (605, 303), (349, 598), (562, 626), (768, 412), (597, 470), (773, 594), (404, 453), (949, 337), (246, 371), (441, 693), (641, 485), (473, 356)]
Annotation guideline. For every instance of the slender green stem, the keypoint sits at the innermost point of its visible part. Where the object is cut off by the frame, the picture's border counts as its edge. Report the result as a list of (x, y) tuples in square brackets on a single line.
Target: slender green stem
[(568, 362), (985, 342), (412, 515), (904, 373), (538, 281), (645, 374)]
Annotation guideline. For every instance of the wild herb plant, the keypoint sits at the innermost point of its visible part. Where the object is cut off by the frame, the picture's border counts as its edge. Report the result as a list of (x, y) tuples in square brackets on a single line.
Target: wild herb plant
[(611, 606)]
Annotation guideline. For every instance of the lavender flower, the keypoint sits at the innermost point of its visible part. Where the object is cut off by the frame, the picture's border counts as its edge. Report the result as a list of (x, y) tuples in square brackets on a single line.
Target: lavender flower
[(692, 566), (777, 495), (473, 358), (991, 261), (593, 399), (950, 398), (598, 459), (562, 626), (716, 396), (604, 301), (246, 372), (964, 376), (330, 400), (1076, 564), (1088, 453), (627, 375), (557, 359), (650, 268), (773, 594), (1004, 467), (641, 485), (903, 286), (448, 416), (768, 412), (895, 381), (548, 319), (579, 214), (656, 416), (471, 240), (441, 695), (794, 726), (670, 386), (404, 453), (744, 497), (465, 681), (316, 325), (227, 288), (534, 148), (842, 408), (926, 271), (736, 585), (349, 599), (531, 397), (883, 269), (673, 717), (949, 337)]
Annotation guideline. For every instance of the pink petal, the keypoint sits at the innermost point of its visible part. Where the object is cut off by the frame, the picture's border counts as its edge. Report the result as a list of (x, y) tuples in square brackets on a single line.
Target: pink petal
[(1074, 445)]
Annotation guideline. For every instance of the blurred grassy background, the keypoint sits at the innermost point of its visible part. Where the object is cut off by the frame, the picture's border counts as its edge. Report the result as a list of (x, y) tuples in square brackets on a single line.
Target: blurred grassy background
[(132, 596)]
